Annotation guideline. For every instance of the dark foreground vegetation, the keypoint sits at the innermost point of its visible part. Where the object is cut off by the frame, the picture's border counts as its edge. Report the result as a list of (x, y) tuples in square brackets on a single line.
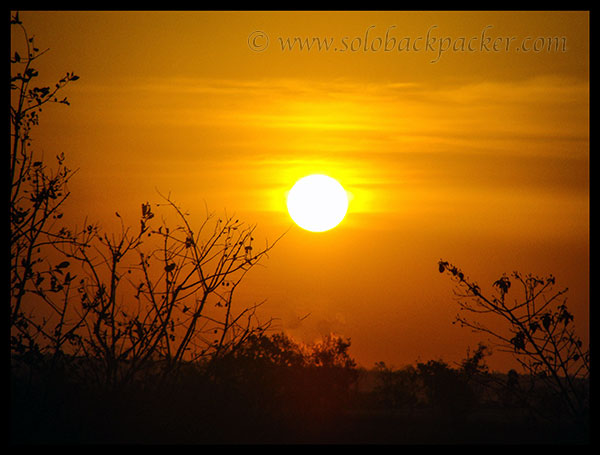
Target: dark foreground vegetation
[(274, 391)]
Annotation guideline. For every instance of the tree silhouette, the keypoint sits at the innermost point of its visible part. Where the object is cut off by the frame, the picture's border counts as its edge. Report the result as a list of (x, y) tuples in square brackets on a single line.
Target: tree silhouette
[(114, 305), (446, 392), (397, 389), (446, 389), (537, 329), (37, 192), (156, 297)]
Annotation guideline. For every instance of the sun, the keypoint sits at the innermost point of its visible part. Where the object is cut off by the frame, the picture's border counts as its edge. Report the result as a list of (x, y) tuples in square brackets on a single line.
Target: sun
[(317, 203)]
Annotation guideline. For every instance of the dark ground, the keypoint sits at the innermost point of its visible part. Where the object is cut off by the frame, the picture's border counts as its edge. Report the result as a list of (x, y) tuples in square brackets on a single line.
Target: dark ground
[(68, 416)]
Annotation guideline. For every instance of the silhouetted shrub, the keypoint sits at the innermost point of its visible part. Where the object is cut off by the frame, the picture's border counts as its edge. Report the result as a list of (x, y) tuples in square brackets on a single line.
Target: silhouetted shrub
[(538, 329), (446, 389), (397, 389), (281, 376)]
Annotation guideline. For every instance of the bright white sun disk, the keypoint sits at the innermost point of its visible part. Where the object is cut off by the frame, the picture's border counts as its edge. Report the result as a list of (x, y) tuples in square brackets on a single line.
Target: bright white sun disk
[(317, 203)]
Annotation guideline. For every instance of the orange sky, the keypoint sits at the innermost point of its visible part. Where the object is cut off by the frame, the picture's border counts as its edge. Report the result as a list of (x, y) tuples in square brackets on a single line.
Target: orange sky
[(477, 155)]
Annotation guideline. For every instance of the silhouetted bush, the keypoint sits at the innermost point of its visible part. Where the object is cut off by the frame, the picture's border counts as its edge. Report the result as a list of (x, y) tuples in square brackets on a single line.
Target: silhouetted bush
[(397, 389), (446, 389), (538, 329)]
